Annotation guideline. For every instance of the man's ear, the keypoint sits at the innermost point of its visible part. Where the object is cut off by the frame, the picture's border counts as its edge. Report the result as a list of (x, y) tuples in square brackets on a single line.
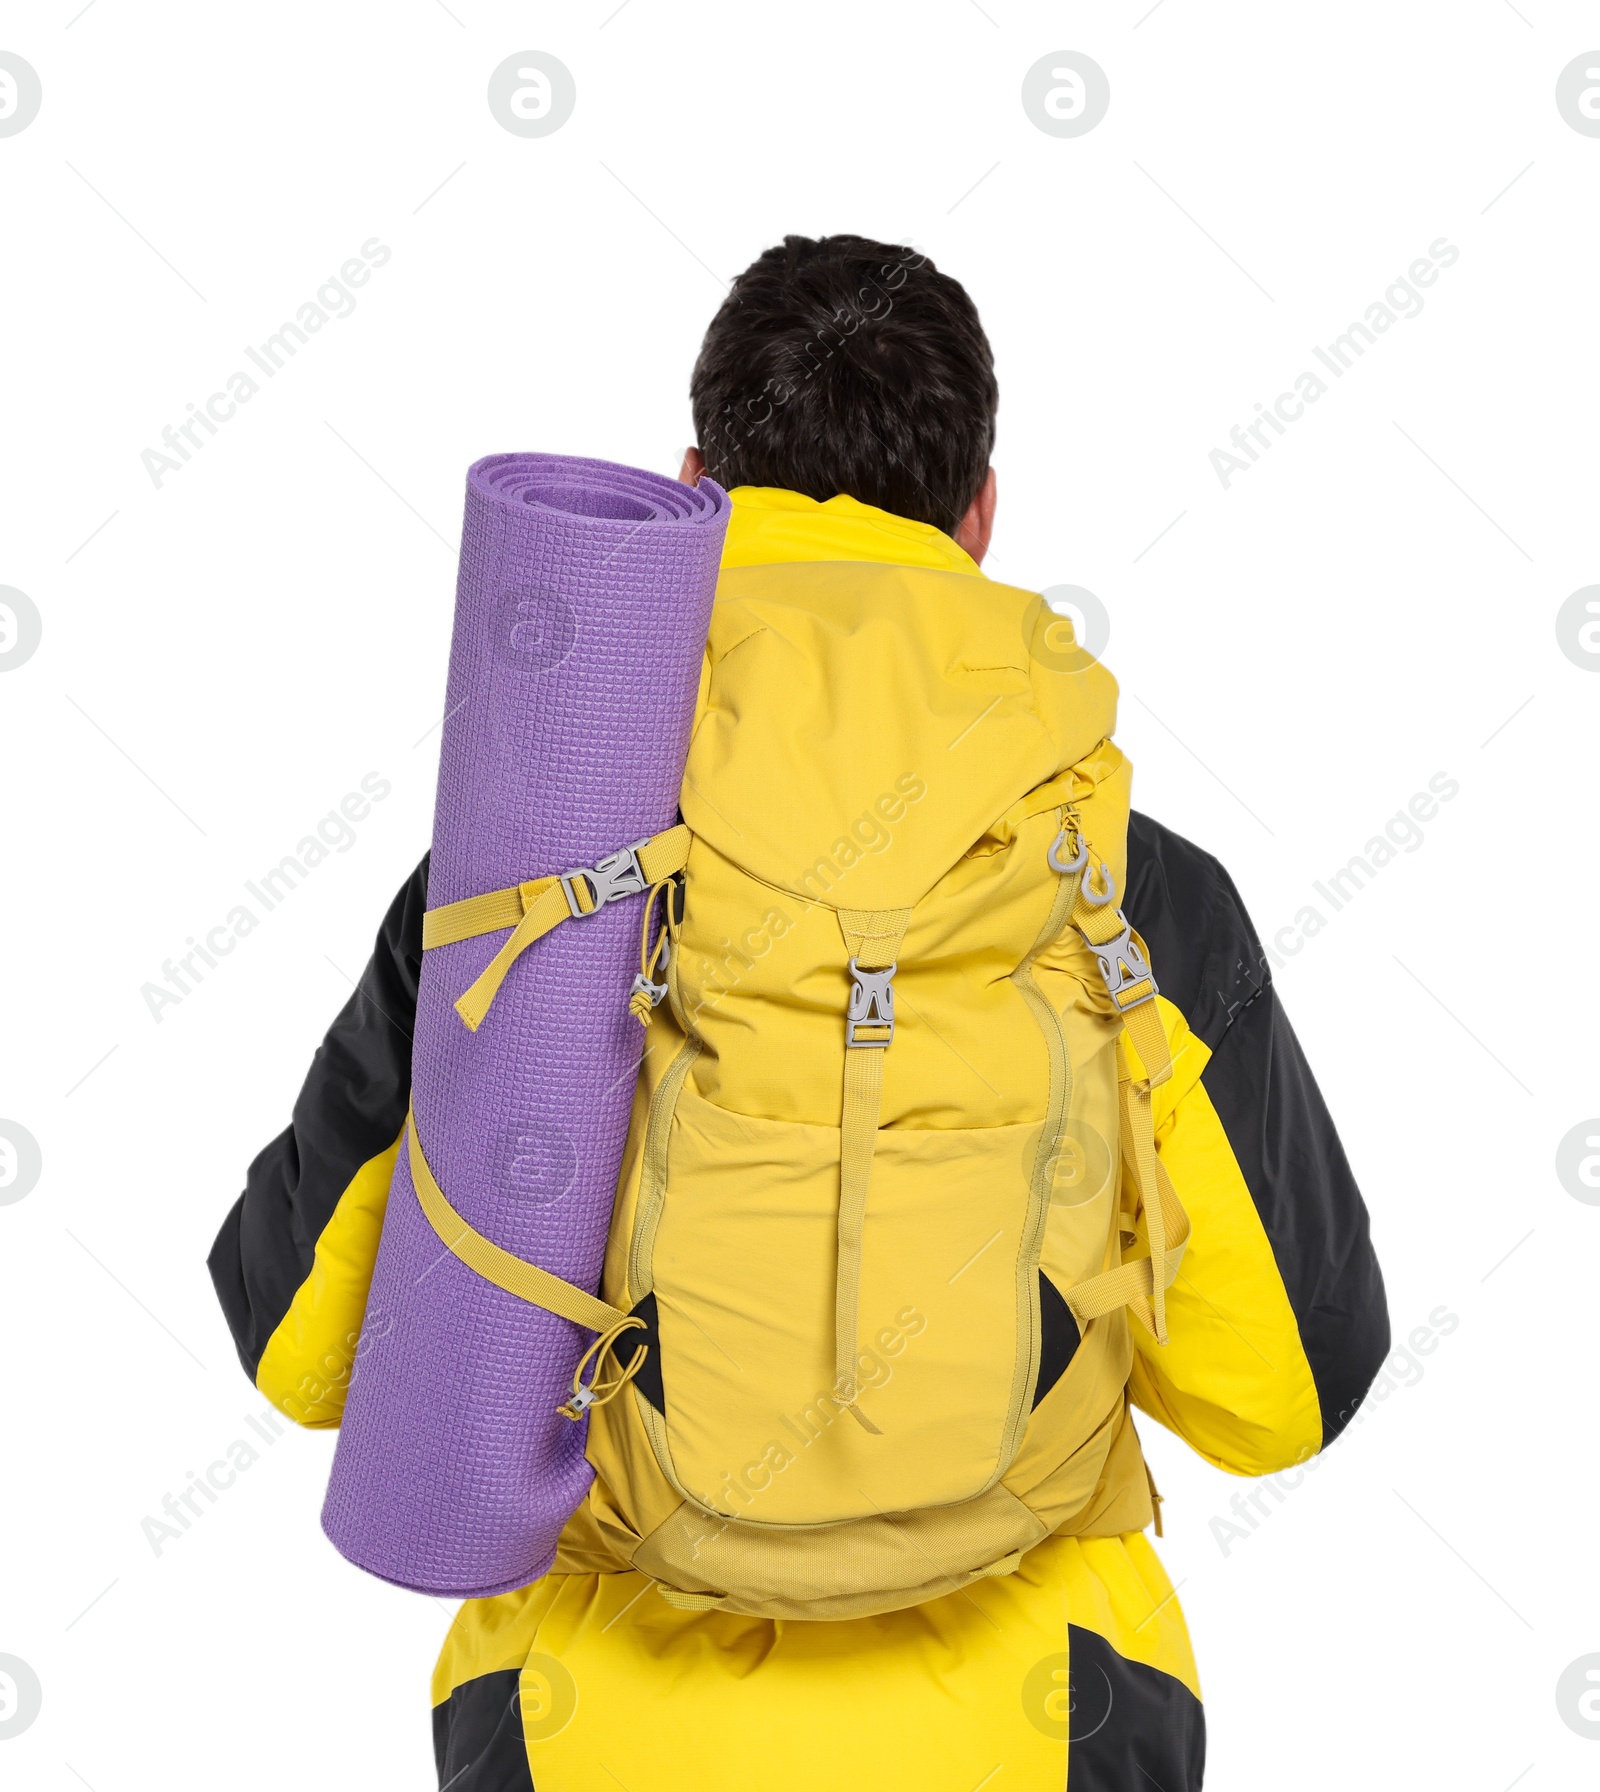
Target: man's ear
[(976, 527), (694, 464)]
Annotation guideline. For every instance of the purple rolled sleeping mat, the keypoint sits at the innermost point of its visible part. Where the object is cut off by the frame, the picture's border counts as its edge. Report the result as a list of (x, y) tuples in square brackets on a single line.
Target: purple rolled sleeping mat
[(582, 609)]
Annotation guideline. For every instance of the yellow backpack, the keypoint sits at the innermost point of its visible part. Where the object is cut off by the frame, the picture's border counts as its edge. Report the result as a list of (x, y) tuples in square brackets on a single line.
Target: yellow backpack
[(890, 1188)]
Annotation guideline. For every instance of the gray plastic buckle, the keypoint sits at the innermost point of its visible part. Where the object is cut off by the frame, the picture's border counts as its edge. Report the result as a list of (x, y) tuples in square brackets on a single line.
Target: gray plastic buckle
[(1124, 967), (1068, 867), (617, 874), (871, 1007), (1107, 891), (1095, 897), (642, 985)]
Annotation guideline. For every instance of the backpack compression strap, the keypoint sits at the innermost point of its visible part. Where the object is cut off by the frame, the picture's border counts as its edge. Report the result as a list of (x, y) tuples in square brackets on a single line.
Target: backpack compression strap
[(530, 1283), (873, 936), (1125, 968), (533, 909)]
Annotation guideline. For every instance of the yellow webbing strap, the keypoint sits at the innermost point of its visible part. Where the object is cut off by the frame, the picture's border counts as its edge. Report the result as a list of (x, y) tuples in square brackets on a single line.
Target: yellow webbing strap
[(1166, 1245), (1143, 1026), (666, 855), (1136, 1284), (546, 909), (873, 936), (525, 1280), (1101, 923), (1142, 1284), (484, 914), (532, 910)]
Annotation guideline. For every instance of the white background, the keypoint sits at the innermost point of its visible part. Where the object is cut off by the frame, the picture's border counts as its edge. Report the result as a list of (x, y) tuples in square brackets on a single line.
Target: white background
[(225, 656)]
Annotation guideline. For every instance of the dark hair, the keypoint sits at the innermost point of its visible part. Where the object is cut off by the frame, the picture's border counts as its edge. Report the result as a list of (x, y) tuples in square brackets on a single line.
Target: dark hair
[(837, 364)]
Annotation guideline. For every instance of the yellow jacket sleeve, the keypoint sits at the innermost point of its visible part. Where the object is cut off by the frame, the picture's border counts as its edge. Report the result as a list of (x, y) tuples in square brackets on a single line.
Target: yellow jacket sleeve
[(293, 1261)]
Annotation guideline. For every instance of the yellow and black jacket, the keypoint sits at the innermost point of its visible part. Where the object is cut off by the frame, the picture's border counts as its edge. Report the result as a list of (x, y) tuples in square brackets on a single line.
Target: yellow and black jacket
[(1079, 1662)]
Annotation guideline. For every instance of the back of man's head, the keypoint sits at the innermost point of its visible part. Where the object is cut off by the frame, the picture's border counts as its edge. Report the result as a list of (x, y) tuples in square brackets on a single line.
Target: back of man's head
[(837, 364)]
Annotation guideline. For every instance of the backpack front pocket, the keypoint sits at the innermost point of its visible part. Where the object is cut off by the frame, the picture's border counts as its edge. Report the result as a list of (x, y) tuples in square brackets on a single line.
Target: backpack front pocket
[(753, 1422)]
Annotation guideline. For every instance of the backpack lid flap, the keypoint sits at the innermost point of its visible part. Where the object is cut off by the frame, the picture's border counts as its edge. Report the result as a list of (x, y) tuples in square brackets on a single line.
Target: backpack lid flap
[(840, 695)]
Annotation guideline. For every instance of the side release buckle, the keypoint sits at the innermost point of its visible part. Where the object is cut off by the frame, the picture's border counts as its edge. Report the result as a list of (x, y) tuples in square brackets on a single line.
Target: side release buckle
[(618, 874), (871, 1017), (1128, 978)]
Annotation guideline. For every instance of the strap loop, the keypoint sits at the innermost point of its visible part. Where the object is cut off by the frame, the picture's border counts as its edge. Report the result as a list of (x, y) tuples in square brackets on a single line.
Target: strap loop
[(596, 1392), (691, 1602), (647, 994)]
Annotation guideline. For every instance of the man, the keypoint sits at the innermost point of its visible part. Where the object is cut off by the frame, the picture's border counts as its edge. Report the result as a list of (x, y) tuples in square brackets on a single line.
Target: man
[(845, 394)]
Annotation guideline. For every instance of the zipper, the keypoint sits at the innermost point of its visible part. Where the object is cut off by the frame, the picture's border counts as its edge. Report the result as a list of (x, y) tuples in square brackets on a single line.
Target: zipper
[(1032, 1243)]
